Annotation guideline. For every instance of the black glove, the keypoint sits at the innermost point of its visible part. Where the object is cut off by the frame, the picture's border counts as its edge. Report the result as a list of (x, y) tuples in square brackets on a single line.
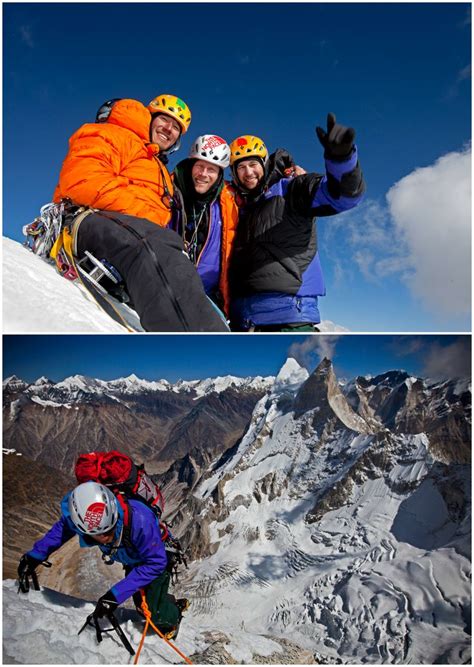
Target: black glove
[(338, 141), (26, 569), (106, 605)]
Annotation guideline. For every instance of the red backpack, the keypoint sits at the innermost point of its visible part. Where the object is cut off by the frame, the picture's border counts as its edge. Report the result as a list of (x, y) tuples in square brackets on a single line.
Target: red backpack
[(121, 475), (128, 480)]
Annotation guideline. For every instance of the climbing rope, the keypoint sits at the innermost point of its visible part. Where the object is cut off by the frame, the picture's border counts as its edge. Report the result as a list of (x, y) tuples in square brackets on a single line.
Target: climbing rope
[(147, 614)]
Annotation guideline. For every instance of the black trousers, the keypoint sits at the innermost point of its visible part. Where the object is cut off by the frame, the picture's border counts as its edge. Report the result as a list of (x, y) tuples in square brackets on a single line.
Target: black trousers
[(164, 286)]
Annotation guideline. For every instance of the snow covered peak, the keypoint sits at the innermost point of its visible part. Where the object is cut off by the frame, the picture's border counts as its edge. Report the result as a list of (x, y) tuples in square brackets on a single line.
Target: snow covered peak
[(81, 383), (43, 380), (12, 379), (134, 385), (133, 378), (290, 374), (14, 383), (220, 384)]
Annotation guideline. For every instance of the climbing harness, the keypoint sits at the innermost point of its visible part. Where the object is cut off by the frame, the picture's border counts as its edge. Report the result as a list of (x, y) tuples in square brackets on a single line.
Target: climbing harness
[(147, 613)]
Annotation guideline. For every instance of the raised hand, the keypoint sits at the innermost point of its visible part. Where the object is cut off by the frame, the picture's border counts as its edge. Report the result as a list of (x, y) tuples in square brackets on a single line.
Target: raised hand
[(337, 140)]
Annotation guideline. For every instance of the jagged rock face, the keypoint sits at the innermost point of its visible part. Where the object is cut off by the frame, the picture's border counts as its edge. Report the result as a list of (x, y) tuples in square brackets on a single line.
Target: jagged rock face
[(404, 409), (322, 393), (411, 405), (314, 392), (216, 421)]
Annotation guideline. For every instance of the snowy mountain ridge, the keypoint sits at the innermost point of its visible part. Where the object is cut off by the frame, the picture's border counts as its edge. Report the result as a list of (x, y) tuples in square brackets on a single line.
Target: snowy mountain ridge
[(73, 388)]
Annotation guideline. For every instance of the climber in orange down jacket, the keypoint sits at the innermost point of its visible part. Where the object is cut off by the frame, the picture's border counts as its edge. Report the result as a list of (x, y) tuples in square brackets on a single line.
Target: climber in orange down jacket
[(117, 166)]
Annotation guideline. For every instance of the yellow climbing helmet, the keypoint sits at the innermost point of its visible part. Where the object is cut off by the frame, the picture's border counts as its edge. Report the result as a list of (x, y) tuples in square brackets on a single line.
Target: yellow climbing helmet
[(247, 146), (172, 106)]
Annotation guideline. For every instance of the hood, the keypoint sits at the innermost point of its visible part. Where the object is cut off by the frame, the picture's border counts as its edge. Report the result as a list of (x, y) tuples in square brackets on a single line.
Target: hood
[(131, 115)]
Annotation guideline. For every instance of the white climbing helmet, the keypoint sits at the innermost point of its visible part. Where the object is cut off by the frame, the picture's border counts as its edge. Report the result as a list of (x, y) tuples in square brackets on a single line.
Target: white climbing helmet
[(93, 508), (212, 149)]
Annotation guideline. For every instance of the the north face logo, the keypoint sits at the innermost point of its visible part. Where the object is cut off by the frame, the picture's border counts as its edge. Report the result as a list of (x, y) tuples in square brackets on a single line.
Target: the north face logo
[(94, 515), (213, 142)]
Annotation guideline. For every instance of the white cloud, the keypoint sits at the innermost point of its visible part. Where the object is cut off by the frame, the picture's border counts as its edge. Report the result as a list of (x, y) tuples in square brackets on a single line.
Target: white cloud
[(467, 18), (452, 361), (26, 35), (313, 349), (422, 236), (431, 211), (375, 250), (463, 74), (404, 346)]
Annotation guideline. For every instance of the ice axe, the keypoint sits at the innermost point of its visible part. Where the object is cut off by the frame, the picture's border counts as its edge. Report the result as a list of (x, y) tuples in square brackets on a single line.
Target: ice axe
[(93, 621), (25, 571)]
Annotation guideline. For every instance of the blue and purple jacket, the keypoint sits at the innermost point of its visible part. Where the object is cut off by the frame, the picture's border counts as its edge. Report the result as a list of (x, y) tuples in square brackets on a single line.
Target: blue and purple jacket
[(276, 274), (145, 555)]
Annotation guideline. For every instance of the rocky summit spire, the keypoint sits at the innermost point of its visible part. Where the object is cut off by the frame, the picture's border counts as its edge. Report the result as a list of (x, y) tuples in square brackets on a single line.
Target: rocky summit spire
[(321, 392)]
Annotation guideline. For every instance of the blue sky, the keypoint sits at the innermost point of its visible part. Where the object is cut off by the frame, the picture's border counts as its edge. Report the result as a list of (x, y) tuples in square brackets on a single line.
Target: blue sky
[(398, 73), (173, 357)]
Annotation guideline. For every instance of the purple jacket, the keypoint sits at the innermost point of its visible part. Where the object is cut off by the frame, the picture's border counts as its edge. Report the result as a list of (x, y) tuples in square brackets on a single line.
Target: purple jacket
[(145, 554)]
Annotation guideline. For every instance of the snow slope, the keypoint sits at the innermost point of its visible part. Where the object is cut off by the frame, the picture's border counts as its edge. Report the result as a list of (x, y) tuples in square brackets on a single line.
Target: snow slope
[(41, 627), (36, 299)]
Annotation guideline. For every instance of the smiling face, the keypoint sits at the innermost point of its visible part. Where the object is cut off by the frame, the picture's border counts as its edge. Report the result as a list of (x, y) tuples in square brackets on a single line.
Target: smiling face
[(165, 131), (249, 173), (204, 175)]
